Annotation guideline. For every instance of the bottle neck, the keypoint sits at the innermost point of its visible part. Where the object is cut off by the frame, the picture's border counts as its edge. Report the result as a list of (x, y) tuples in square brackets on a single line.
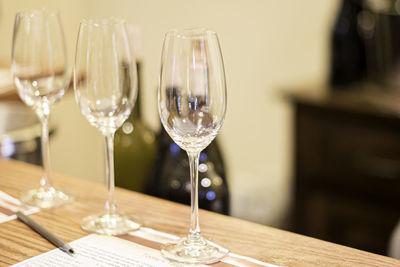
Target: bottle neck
[(136, 112)]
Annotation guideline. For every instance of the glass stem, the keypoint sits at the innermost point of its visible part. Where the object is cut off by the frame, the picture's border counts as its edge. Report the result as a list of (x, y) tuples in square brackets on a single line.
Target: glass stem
[(45, 181), (194, 232), (109, 144)]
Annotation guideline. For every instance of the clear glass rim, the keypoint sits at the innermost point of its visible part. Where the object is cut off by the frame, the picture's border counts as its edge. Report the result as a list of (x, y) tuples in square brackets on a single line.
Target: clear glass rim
[(97, 22), (190, 33), (33, 13)]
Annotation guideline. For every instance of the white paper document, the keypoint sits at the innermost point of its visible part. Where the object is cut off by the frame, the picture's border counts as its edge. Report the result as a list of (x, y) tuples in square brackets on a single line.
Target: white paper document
[(140, 248), (97, 250), (9, 206)]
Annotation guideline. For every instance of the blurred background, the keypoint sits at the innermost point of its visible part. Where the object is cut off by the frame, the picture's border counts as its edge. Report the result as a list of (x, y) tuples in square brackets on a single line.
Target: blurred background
[(310, 141)]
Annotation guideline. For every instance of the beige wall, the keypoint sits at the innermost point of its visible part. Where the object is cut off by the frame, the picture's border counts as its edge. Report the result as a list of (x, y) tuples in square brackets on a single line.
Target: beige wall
[(266, 45)]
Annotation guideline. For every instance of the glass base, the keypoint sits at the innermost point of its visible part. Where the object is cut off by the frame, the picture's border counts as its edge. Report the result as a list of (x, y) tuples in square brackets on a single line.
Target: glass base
[(107, 223), (45, 198), (198, 251)]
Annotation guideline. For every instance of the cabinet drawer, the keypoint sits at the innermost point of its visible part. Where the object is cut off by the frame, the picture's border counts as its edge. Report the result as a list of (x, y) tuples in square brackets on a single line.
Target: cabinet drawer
[(344, 220), (344, 149)]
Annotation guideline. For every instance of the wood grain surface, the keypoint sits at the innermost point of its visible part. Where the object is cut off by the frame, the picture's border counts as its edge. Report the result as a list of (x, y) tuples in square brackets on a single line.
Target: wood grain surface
[(18, 242)]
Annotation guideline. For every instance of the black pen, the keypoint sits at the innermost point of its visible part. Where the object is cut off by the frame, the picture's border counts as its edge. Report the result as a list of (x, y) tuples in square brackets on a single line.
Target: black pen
[(45, 233)]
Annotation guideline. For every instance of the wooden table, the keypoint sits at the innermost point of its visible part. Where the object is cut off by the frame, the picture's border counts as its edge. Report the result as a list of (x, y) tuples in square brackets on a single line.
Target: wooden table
[(18, 242)]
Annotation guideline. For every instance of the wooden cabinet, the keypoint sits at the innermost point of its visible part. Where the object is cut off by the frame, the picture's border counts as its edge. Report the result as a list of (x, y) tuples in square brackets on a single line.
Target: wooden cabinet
[(347, 167)]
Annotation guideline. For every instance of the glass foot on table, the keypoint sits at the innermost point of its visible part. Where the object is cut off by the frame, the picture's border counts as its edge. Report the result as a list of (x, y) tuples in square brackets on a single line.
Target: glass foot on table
[(45, 198), (107, 223), (199, 251)]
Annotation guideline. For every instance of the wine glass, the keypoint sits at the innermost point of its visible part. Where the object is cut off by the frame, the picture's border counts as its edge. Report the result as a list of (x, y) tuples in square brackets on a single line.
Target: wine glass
[(41, 73), (192, 106), (105, 82)]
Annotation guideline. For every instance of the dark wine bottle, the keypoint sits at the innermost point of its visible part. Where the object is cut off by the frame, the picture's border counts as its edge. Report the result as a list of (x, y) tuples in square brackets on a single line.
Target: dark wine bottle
[(134, 149), (170, 176), (348, 58)]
